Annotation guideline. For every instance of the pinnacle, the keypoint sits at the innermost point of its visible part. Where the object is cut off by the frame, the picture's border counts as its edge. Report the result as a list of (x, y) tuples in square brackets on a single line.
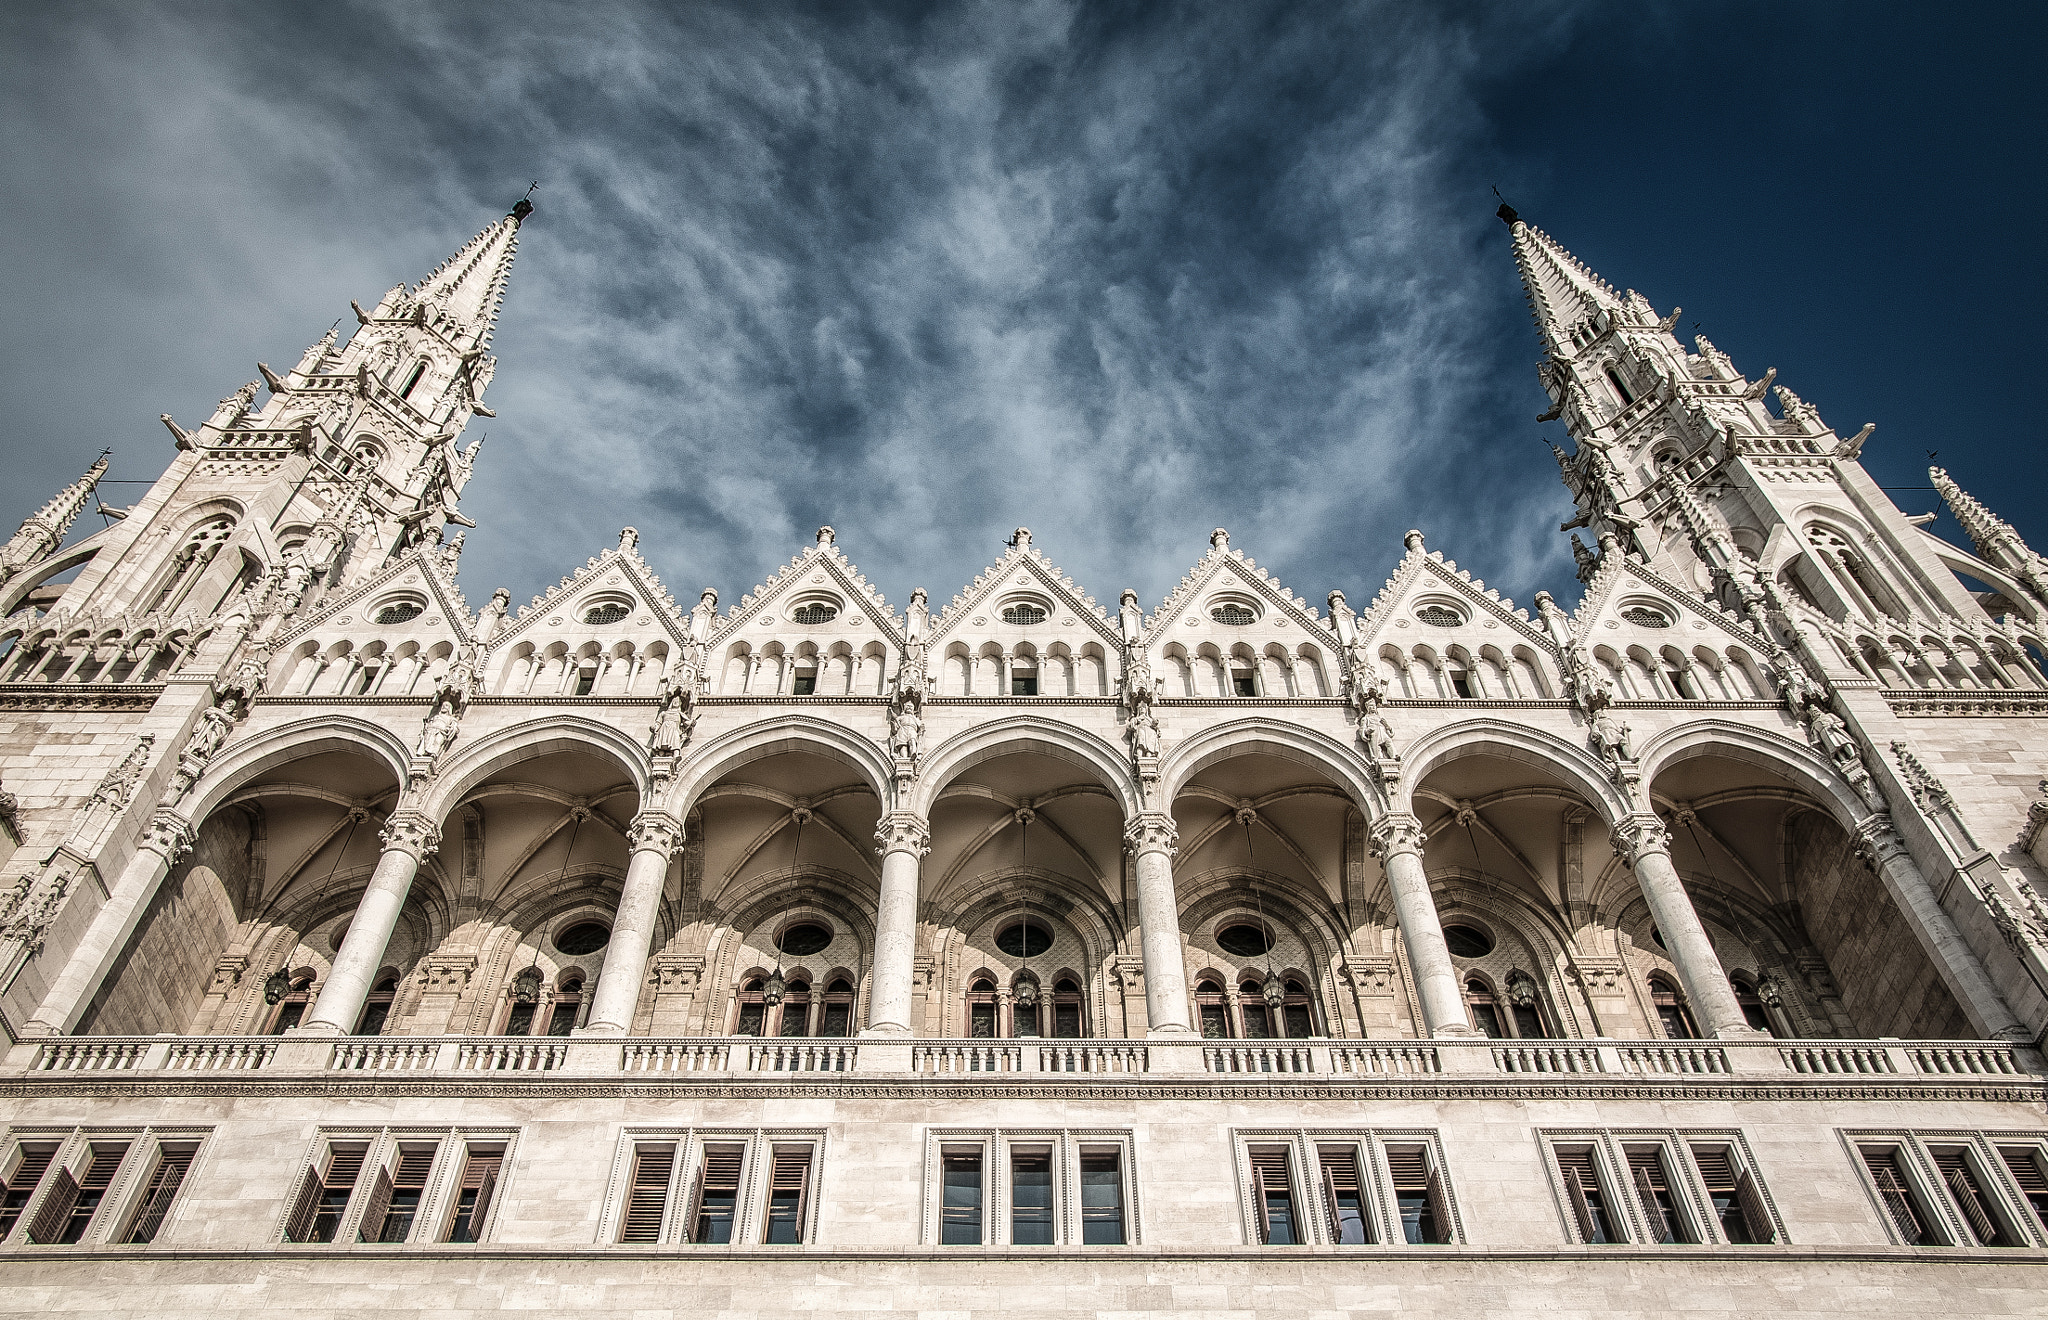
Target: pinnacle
[(1562, 291), (470, 286)]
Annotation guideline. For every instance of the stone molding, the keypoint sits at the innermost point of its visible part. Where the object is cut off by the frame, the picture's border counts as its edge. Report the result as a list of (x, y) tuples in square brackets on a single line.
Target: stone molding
[(905, 832), (1152, 831), (410, 832), (655, 831)]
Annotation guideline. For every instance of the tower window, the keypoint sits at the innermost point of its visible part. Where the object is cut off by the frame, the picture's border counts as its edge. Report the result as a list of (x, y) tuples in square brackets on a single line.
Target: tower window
[(1023, 615), (1485, 1012), (1461, 683), (1587, 1197), (1031, 1198), (1273, 1197), (1102, 1198), (413, 379), (788, 1194), (1244, 683), (804, 683), (718, 1194), (1024, 683), (1342, 1190), (1734, 1197), (1614, 379), (1419, 1195), (1653, 1192)]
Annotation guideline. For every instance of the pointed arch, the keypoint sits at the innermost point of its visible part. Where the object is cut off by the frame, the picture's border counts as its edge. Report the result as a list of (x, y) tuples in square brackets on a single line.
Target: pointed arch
[(1489, 736), (776, 737), (1024, 733), (469, 766), (1261, 735)]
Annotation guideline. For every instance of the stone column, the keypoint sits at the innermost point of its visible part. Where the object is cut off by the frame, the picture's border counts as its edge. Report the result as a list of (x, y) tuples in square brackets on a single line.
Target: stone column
[(408, 838), (1152, 839), (654, 836), (1645, 845), (168, 837), (1397, 842), (1961, 970), (904, 838)]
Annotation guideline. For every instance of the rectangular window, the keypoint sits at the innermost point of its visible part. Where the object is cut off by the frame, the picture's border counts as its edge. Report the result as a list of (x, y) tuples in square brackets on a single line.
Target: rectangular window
[(474, 1192), (1066, 1020), (31, 1163), (1737, 1204), (1273, 1197), (324, 1194), (1895, 1190), (1579, 1168), (1215, 1022), (804, 685), (1023, 685), (521, 1021), (1102, 1198), (1419, 1195), (1487, 1019), (585, 680), (752, 1016), (1961, 1182), (960, 1210), (647, 1193), (1656, 1196), (1343, 1195), (718, 1193), (788, 1194), (1528, 1022), (1031, 1197), (1243, 684), (2025, 1164), (395, 1197), (1258, 1024), (173, 1162)]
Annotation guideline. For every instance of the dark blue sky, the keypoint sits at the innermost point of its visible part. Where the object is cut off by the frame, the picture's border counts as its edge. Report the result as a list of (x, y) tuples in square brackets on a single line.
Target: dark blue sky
[(1122, 273)]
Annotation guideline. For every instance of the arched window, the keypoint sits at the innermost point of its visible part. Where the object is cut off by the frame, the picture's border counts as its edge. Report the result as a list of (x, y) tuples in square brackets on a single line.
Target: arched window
[(752, 1015), (292, 1008), (563, 1017), (796, 1010), (1295, 1014), (377, 1008), (1672, 1013), (412, 379), (1621, 390), (837, 1019), (981, 1010), (1485, 1010), (1752, 1004), (1236, 616), (1258, 1019), (191, 563), (1023, 615), (816, 614), (1068, 1022), (1213, 1011)]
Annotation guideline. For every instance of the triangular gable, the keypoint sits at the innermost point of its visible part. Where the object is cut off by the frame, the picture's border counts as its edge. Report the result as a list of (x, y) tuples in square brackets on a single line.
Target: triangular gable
[(1025, 566), (447, 610), (822, 565), (595, 578), (1225, 565), (1425, 573), (1622, 581)]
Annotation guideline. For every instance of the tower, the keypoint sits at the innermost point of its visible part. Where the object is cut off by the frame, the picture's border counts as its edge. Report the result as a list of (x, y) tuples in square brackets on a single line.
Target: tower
[(350, 460), (1679, 460)]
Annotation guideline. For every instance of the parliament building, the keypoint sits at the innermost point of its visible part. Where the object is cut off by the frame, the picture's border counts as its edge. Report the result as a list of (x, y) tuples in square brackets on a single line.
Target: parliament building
[(1673, 945)]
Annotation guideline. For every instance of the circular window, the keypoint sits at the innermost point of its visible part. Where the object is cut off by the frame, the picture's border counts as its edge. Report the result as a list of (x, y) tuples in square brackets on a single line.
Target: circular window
[(399, 613), (816, 613), (1465, 942), (1439, 616), (609, 612), (1233, 614), (1025, 939), (1644, 617), (1244, 941), (584, 937), (1023, 614), (803, 939)]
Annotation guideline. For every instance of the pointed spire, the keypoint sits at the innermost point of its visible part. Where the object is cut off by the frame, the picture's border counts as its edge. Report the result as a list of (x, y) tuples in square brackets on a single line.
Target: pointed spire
[(471, 284), (44, 530), (1996, 541), (1563, 293)]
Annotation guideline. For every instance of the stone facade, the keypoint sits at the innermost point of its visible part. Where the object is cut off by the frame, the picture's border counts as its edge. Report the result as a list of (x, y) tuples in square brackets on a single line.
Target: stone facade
[(364, 951)]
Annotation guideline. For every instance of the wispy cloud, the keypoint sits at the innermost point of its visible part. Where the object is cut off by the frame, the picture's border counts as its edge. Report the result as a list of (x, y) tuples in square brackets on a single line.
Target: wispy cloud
[(1118, 273)]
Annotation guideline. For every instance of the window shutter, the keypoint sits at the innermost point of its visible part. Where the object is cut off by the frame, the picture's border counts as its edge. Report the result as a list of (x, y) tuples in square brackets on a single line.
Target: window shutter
[(1340, 1175), (1752, 1202), (1269, 1175), (1577, 1167), (1964, 1189), (689, 1233), (1646, 1170), (163, 1188), (59, 1200), (486, 1186), (1896, 1202), (645, 1196), (792, 1174), (378, 1209), (2026, 1171), (1330, 1200), (1439, 1207), (413, 1166), (298, 1227)]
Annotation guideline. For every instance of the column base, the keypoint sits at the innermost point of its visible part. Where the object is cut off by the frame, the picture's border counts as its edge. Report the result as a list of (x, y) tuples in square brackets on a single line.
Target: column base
[(1744, 1032), (1172, 1033), (314, 1029), (884, 1031), (1458, 1031), (601, 1029)]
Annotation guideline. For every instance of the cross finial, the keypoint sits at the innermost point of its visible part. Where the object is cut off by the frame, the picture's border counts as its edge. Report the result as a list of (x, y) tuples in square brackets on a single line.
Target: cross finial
[(530, 187)]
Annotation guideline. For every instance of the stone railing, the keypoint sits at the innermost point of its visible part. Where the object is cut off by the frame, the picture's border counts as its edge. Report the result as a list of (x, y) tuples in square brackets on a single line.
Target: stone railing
[(1790, 1061)]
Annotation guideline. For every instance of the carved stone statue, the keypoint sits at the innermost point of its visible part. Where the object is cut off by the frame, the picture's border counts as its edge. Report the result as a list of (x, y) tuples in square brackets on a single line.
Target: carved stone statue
[(1612, 739), (1378, 737), (1143, 731), (675, 715), (438, 732), (906, 732), (1832, 733)]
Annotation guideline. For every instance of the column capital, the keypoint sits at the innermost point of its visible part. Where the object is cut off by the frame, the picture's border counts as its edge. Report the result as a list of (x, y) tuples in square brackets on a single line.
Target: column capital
[(904, 832), (1396, 832), (1152, 831), (1877, 841), (1639, 836), (168, 833), (655, 831), (410, 832)]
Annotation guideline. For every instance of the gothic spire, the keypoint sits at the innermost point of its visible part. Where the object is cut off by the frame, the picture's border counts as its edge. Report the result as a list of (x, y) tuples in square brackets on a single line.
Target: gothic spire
[(1996, 541), (44, 530), (1563, 293), (471, 284)]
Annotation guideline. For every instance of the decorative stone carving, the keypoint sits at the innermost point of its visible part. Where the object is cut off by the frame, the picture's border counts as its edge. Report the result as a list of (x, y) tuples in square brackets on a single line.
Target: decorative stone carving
[(1152, 831), (655, 831), (117, 789), (1636, 837), (903, 831), (1396, 833), (410, 832)]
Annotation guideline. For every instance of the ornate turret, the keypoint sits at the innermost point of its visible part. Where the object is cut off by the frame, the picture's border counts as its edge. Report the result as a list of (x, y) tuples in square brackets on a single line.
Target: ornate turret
[(44, 530), (1996, 541)]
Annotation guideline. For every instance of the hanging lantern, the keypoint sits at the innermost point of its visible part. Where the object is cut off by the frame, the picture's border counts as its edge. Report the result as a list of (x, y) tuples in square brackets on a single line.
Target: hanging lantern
[(1767, 991), (771, 993), (1273, 992), (526, 986), (1027, 994), (276, 986), (1521, 989)]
